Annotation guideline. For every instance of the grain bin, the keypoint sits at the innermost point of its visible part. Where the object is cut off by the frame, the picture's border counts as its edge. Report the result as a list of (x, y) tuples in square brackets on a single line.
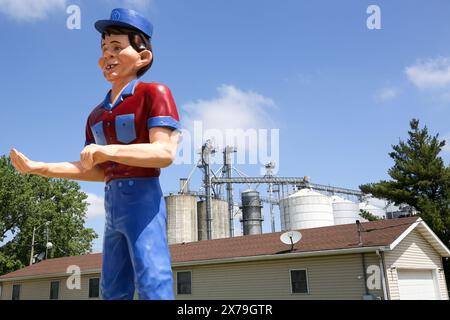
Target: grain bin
[(181, 218), (220, 224), (344, 211), (306, 209)]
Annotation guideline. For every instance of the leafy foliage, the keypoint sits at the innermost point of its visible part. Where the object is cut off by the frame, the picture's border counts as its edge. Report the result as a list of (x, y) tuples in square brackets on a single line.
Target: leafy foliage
[(27, 202)]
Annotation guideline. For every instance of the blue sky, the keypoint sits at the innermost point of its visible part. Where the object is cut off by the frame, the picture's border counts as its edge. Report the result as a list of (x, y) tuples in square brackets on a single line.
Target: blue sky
[(339, 93)]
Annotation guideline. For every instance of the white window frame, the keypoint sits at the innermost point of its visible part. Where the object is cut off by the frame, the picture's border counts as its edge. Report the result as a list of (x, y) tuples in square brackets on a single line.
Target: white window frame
[(307, 281), (183, 294)]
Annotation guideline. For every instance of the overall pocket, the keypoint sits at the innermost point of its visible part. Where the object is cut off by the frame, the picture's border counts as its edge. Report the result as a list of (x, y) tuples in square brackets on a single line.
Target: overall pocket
[(99, 135), (125, 128)]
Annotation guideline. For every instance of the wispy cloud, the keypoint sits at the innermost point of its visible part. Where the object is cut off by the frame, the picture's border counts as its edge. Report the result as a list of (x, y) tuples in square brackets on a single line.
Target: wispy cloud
[(138, 5), (431, 76), (387, 93), (232, 109), (30, 10), (430, 73), (96, 206)]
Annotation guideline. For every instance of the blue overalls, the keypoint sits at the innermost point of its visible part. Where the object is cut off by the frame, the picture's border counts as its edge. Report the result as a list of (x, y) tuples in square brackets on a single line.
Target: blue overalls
[(135, 249)]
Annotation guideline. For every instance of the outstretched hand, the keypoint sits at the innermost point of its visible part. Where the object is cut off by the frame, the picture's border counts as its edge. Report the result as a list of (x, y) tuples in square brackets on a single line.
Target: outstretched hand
[(22, 164)]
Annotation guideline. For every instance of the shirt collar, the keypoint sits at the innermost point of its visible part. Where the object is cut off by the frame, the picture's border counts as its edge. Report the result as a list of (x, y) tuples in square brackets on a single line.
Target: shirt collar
[(126, 92)]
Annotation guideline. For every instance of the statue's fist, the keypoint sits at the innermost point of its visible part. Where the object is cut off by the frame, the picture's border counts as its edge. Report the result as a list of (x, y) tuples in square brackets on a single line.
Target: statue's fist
[(89, 155)]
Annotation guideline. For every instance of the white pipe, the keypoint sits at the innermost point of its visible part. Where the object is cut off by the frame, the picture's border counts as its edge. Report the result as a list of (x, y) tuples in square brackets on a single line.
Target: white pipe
[(383, 280)]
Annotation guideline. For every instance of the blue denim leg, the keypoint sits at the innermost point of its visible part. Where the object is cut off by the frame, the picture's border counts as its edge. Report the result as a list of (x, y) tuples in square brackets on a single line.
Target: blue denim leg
[(117, 278), (117, 270), (140, 216)]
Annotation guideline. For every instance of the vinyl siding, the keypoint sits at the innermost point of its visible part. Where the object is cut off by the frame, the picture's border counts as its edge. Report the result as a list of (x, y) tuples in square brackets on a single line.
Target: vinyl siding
[(414, 252), (331, 277), (40, 289)]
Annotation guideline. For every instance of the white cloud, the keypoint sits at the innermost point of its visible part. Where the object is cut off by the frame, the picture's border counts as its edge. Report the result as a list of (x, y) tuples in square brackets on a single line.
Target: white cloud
[(29, 10), (242, 119), (430, 74), (96, 206), (232, 109), (387, 93), (138, 4)]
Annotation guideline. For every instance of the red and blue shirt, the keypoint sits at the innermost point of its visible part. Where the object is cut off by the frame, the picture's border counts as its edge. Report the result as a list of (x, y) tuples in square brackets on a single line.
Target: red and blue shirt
[(140, 107)]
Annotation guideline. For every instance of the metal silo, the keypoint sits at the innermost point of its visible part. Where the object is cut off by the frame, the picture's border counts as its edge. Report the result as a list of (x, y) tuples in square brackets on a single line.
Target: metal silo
[(376, 211), (181, 218), (220, 224), (284, 215), (251, 212), (307, 209), (345, 211)]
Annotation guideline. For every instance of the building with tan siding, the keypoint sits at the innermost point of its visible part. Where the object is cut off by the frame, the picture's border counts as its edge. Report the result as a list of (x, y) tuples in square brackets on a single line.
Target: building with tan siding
[(396, 259)]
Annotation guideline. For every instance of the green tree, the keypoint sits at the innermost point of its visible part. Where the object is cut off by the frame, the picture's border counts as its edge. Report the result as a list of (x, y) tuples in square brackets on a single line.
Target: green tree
[(28, 201), (419, 179)]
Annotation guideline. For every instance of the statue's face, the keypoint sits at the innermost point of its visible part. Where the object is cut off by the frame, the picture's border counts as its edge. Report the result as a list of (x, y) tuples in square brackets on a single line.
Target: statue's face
[(119, 59)]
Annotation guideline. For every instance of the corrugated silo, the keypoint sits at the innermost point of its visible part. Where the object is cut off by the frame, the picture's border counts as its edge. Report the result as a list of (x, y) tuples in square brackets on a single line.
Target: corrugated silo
[(345, 211), (285, 220), (251, 212), (307, 209), (181, 218), (220, 224), (376, 211)]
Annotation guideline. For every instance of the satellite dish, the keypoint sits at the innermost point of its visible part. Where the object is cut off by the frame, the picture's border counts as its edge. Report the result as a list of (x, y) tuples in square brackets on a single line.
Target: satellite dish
[(291, 237)]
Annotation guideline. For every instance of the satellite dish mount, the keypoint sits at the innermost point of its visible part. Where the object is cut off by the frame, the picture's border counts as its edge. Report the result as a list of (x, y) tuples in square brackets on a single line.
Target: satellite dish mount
[(291, 237)]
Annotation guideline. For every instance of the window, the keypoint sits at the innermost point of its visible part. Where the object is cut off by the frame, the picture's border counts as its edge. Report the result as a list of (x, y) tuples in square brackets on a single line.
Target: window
[(94, 288), (184, 282), (299, 281), (54, 290), (16, 292)]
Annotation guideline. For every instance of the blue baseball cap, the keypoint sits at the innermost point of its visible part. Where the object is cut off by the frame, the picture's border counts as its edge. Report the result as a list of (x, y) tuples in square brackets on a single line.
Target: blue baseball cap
[(126, 18)]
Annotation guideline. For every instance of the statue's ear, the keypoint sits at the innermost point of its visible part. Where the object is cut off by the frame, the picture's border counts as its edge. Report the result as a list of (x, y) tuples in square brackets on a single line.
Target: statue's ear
[(146, 58), (101, 63)]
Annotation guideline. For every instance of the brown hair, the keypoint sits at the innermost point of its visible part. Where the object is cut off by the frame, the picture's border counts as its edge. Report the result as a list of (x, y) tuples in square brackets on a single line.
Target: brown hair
[(138, 40)]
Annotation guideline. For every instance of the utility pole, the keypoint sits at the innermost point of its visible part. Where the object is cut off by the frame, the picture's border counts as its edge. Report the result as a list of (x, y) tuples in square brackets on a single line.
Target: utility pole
[(46, 242), (32, 246), (33, 239)]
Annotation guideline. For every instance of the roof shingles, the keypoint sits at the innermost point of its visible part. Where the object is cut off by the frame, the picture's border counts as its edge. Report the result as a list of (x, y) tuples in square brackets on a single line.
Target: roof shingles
[(377, 233)]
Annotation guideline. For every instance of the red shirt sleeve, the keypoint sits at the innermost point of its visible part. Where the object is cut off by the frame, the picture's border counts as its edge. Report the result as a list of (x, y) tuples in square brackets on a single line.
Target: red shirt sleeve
[(89, 136), (162, 108)]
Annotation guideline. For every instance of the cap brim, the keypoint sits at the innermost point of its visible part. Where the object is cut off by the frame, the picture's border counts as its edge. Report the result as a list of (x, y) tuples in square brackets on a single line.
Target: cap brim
[(101, 25)]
